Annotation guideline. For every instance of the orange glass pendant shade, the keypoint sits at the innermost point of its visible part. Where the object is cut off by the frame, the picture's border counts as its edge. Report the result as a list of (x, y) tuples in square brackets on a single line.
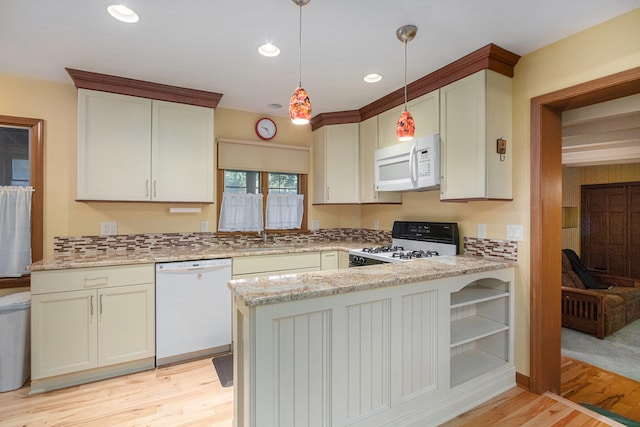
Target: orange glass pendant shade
[(300, 107), (406, 127)]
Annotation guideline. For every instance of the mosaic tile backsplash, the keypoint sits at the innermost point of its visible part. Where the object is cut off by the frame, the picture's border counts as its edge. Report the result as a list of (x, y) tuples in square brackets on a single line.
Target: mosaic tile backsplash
[(491, 248), (156, 241)]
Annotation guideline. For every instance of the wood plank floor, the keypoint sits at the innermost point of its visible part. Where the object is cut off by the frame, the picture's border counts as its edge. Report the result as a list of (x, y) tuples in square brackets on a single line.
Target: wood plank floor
[(190, 394)]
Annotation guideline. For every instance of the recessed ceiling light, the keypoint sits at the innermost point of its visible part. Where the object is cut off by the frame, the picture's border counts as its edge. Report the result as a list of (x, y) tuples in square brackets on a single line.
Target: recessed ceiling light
[(274, 105), (269, 49), (123, 13), (372, 78)]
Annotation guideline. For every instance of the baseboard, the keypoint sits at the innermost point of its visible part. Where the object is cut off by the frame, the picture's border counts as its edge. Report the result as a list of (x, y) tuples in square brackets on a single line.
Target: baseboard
[(523, 381)]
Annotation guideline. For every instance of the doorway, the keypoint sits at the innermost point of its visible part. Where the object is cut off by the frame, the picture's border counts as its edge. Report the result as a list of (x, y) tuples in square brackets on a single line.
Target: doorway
[(546, 216)]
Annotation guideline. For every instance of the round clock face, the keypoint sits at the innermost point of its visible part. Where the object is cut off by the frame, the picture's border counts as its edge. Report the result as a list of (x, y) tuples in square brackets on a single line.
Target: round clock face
[(266, 128)]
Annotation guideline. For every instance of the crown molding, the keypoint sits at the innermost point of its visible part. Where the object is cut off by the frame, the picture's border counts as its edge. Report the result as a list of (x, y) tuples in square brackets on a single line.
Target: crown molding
[(143, 89)]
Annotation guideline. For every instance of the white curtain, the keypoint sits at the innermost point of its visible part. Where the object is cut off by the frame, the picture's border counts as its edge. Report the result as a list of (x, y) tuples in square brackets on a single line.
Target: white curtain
[(15, 230), (241, 212), (284, 211)]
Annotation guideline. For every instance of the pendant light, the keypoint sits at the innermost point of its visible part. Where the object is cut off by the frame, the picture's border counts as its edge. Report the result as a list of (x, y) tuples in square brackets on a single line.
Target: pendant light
[(299, 104), (406, 127)]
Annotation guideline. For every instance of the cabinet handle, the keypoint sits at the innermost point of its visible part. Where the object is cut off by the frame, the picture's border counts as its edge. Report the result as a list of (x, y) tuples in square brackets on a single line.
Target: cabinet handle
[(328, 197), (101, 304), (91, 303), (96, 281), (146, 186), (155, 193)]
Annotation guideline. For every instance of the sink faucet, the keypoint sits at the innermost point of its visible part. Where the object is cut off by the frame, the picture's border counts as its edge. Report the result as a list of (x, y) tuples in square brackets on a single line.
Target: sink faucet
[(264, 237)]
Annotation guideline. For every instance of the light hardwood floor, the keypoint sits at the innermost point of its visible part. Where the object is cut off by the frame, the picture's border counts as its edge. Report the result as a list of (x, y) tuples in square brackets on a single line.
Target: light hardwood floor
[(190, 394)]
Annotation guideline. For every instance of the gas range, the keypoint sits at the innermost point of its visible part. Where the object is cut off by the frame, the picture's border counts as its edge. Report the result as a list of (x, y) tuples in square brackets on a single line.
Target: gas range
[(411, 240)]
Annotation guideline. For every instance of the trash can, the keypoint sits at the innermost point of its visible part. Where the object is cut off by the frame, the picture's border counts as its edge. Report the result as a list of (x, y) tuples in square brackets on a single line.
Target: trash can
[(15, 345)]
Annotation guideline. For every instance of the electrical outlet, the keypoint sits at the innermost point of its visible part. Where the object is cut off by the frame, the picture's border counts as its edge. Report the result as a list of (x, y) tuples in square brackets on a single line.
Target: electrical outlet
[(376, 224), (515, 232), (108, 228), (315, 224), (204, 226), (482, 231)]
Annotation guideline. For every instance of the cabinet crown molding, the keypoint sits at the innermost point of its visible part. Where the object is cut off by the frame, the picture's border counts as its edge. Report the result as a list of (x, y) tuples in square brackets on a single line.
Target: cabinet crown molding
[(143, 89)]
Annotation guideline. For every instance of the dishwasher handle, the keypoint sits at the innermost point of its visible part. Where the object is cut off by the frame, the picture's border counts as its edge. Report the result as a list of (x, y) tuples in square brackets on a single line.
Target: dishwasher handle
[(194, 269)]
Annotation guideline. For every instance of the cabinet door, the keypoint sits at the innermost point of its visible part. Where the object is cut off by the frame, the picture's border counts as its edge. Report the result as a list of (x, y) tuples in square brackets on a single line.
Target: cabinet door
[(126, 325), (426, 113), (63, 333), (329, 260), (182, 153), (387, 126), (463, 138), (367, 149), (342, 164), (114, 145)]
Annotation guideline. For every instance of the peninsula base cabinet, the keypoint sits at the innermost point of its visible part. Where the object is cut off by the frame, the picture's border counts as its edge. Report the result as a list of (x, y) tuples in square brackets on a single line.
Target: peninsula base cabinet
[(91, 323), (396, 356)]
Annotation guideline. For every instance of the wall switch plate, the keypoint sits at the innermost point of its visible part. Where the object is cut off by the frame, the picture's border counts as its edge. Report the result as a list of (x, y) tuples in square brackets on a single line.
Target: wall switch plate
[(515, 232), (376, 224), (108, 228), (482, 231), (315, 224), (204, 226)]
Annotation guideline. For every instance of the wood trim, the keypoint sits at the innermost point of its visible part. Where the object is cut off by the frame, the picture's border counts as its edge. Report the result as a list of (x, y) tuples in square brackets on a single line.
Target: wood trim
[(522, 381), (490, 57), (546, 208), (337, 118), (144, 89), (37, 198)]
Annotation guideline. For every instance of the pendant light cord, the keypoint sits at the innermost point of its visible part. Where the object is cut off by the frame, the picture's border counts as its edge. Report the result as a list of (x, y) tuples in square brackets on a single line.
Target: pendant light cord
[(300, 47), (405, 75)]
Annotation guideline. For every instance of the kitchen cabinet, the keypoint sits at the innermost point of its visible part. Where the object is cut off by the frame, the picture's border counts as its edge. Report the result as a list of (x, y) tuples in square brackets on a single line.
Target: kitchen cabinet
[(367, 150), (481, 329), (273, 265), (138, 149), (329, 260), (336, 177), (426, 114), (474, 113), (92, 322)]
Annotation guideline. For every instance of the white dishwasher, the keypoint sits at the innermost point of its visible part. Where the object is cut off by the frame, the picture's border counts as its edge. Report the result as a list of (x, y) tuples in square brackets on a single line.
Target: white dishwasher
[(193, 309)]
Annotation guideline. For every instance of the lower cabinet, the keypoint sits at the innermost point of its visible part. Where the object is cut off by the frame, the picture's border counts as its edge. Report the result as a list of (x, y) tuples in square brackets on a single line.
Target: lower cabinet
[(86, 321), (272, 265)]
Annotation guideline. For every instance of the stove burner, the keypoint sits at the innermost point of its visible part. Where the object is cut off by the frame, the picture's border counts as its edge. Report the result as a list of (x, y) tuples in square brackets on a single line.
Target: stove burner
[(383, 249)]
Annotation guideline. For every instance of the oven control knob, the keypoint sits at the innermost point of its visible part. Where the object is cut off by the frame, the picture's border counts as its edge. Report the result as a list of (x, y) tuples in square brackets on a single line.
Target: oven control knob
[(360, 260)]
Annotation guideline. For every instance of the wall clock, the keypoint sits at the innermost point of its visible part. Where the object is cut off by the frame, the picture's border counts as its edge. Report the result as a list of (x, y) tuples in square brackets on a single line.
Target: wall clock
[(266, 128)]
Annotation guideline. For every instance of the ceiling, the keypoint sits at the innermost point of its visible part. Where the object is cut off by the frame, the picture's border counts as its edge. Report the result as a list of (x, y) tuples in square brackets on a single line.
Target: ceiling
[(212, 45)]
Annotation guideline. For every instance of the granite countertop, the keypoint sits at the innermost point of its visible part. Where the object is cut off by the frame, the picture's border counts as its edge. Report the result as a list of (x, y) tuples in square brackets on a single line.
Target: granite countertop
[(291, 287), (106, 259)]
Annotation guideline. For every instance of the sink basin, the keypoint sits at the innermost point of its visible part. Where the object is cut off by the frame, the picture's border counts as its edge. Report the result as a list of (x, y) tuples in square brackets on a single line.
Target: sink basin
[(265, 248)]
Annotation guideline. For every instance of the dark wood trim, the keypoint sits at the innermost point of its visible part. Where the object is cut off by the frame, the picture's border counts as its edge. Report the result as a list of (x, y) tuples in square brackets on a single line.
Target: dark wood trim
[(37, 198), (546, 217), (143, 89), (490, 57), (523, 381), (337, 118)]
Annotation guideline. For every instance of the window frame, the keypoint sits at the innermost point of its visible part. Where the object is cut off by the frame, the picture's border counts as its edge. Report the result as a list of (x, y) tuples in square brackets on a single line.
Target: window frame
[(36, 158), (303, 181)]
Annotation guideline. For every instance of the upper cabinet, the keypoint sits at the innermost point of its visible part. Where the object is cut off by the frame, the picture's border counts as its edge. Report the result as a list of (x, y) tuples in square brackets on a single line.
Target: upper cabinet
[(475, 112), (138, 149), (368, 147), (336, 164), (426, 114)]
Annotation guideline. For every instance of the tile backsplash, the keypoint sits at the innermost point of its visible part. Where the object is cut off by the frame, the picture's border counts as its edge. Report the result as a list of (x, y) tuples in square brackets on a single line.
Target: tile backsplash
[(491, 248), (156, 241)]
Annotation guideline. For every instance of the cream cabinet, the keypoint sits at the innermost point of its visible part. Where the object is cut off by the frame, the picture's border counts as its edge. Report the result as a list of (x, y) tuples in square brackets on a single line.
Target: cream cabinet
[(336, 177), (426, 114), (367, 149), (138, 149), (329, 260), (474, 113), (91, 319)]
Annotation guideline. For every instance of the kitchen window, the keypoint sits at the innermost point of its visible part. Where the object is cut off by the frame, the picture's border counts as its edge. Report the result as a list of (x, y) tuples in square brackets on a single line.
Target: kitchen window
[(262, 184)]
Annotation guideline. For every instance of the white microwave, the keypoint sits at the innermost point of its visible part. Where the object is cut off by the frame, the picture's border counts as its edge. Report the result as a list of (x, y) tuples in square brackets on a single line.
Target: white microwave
[(412, 165)]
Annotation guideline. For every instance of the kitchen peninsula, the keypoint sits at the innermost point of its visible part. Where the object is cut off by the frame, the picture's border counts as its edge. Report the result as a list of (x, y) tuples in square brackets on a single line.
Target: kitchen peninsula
[(413, 343)]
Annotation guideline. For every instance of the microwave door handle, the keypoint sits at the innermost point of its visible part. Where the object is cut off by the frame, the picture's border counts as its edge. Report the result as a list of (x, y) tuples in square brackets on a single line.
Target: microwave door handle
[(412, 166)]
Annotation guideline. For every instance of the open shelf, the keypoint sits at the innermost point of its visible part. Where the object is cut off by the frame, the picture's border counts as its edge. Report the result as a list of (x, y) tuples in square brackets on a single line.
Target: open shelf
[(476, 294), (472, 363), (473, 328)]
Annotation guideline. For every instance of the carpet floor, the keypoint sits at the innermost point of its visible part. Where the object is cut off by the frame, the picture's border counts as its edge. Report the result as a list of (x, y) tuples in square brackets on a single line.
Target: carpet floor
[(619, 352)]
